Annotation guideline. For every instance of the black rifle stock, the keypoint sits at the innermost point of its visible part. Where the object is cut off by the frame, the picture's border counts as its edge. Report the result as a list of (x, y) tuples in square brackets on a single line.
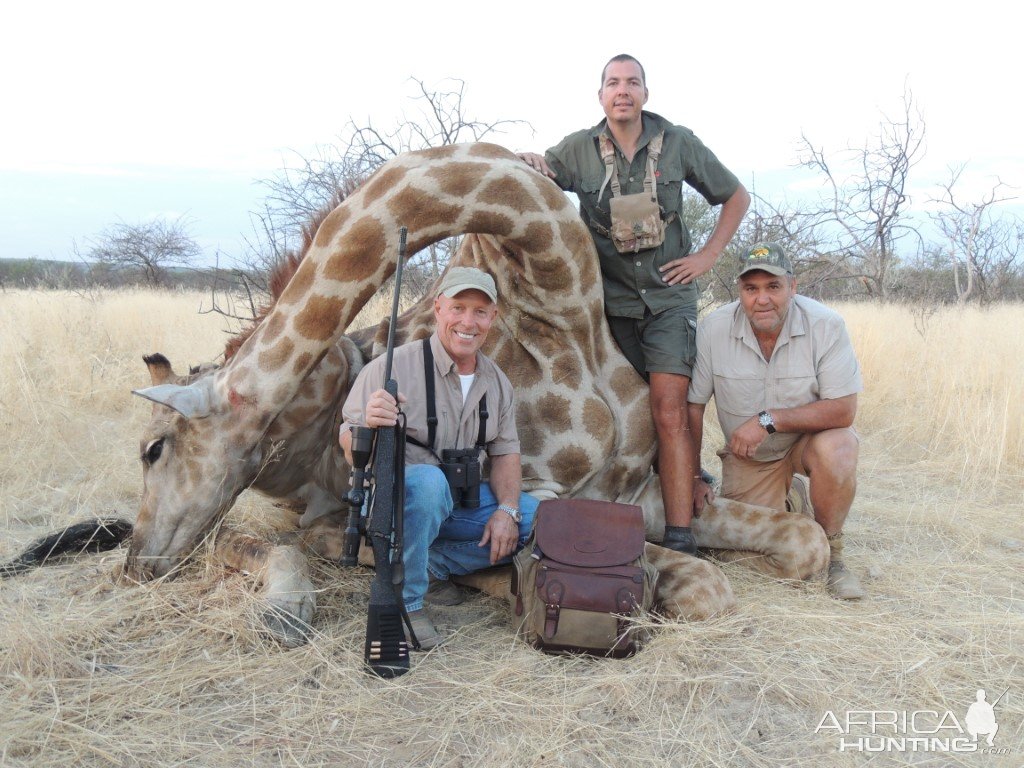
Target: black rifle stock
[(387, 651)]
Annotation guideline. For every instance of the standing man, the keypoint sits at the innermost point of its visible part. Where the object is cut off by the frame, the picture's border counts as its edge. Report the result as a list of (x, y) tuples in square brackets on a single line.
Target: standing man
[(628, 173), (474, 410), (785, 381)]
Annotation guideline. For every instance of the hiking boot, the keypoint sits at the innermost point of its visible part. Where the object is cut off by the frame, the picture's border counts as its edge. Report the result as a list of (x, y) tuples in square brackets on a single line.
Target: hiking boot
[(679, 539), (798, 500), (425, 631), (443, 592), (843, 584)]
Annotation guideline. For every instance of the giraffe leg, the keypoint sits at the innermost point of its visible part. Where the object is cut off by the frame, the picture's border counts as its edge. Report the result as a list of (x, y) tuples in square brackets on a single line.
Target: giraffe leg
[(283, 573), (779, 544), (688, 588)]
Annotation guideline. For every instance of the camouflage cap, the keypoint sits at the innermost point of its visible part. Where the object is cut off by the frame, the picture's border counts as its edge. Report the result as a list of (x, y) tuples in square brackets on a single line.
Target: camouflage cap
[(768, 257), (459, 279)]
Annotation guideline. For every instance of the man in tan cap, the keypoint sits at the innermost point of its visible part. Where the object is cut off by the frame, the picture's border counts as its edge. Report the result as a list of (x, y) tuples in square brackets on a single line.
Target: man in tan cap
[(455, 523), (785, 380)]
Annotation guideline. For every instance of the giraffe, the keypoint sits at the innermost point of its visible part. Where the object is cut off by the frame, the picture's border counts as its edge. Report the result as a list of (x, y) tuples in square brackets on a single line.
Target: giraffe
[(267, 418)]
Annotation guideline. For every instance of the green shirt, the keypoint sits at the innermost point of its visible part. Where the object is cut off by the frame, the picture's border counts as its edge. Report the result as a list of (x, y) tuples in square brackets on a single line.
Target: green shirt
[(632, 283)]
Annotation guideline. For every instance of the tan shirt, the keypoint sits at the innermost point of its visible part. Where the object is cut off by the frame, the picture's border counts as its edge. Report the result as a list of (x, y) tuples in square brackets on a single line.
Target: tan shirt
[(813, 360), (458, 423)]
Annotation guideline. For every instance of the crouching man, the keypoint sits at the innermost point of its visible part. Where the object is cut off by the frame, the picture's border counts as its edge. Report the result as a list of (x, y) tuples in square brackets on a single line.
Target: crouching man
[(453, 398), (785, 380)]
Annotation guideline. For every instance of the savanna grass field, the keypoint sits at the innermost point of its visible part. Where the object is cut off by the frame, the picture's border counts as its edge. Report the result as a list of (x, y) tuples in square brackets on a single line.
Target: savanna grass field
[(95, 673)]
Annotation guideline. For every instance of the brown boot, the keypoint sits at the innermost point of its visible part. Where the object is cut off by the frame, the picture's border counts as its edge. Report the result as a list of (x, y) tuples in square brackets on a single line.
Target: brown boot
[(798, 500), (842, 584)]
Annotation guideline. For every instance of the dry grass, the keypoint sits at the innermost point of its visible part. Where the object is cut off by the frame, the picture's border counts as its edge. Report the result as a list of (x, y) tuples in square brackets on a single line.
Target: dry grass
[(180, 673)]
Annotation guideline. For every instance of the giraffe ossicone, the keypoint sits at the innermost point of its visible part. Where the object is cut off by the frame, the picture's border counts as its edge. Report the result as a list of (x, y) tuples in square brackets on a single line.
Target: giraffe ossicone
[(268, 418)]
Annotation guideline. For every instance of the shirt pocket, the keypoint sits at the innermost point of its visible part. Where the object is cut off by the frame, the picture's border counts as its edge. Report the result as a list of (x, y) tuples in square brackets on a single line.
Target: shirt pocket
[(588, 189), (670, 187), (792, 390), (739, 396)]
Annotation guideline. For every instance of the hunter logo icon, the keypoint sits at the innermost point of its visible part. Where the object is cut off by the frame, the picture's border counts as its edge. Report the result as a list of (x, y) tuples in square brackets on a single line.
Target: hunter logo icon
[(759, 253), (981, 717)]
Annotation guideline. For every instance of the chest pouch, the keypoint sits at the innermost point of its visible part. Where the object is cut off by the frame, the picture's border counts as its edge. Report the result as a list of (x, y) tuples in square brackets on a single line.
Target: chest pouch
[(636, 219)]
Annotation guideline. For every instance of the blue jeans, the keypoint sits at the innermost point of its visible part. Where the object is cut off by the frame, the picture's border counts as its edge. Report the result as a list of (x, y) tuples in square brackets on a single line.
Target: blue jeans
[(443, 539)]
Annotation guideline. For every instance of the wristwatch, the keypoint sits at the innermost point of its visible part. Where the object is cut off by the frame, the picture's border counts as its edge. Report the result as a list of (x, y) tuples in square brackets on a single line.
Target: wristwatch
[(512, 512), (765, 420)]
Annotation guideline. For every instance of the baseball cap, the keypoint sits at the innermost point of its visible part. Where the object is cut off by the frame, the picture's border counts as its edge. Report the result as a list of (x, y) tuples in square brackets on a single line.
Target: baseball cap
[(458, 279), (768, 257)]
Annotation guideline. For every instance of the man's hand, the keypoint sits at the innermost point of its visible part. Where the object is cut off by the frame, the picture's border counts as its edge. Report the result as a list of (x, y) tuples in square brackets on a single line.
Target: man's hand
[(747, 437), (502, 533), (536, 162), (382, 410), (702, 494), (688, 268)]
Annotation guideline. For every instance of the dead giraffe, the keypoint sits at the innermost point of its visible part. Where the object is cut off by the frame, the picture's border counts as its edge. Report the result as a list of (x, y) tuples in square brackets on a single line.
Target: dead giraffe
[(584, 416)]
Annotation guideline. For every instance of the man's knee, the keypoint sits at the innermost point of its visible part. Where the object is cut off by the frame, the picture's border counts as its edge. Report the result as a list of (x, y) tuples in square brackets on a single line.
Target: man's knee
[(833, 452), (426, 488)]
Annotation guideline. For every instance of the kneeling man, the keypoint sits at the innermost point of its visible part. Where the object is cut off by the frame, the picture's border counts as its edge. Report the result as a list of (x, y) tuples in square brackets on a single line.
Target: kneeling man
[(470, 407), (785, 381)]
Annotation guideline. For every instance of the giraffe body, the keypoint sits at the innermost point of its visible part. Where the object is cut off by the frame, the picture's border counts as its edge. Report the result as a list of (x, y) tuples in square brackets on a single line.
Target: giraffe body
[(267, 418)]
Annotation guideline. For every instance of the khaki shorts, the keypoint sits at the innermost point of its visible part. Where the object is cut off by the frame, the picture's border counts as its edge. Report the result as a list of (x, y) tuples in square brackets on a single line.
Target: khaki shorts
[(765, 483), (662, 343)]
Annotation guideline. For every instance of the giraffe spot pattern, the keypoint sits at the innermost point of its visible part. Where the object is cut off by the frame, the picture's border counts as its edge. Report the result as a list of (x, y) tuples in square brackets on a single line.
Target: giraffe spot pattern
[(383, 182), (329, 228), (554, 411), (597, 418), (421, 209), (298, 288), (490, 150), (459, 179), (275, 357), (318, 319), (301, 363), (571, 463), (490, 222), (509, 193), (362, 249), (568, 371)]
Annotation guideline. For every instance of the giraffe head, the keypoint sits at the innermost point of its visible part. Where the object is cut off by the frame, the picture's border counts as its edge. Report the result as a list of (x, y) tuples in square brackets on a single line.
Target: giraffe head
[(181, 498)]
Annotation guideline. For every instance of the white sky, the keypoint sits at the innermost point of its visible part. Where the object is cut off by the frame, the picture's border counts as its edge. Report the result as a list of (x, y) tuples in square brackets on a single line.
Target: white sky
[(125, 111)]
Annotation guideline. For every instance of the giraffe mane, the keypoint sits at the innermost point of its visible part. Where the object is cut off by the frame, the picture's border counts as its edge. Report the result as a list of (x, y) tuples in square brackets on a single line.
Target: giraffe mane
[(287, 264)]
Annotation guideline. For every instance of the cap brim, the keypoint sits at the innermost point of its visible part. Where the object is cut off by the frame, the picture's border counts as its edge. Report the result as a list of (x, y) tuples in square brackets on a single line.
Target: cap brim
[(769, 268), (454, 290)]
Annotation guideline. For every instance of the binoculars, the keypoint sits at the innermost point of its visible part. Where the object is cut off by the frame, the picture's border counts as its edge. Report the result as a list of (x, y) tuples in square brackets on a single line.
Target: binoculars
[(461, 467)]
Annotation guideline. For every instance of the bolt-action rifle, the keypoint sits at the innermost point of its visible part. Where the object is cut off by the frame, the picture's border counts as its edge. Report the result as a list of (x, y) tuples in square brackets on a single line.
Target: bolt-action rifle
[(387, 651)]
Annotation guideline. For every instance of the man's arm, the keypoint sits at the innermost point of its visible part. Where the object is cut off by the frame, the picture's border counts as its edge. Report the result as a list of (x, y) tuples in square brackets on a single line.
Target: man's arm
[(689, 268), (501, 530), (813, 417)]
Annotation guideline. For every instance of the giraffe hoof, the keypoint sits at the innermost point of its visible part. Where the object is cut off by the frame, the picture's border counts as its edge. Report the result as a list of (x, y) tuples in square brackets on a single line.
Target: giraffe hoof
[(287, 628)]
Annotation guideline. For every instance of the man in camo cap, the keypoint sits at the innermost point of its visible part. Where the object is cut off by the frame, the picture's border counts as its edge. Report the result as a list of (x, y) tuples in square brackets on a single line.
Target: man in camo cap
[(785, 380)]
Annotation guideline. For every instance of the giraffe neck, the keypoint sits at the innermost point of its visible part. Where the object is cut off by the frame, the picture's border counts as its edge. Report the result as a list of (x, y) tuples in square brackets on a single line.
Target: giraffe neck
[(475, 188)]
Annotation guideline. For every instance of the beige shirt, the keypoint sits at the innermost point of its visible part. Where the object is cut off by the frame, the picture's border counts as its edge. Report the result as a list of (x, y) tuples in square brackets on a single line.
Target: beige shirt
[(458, 423), (813, 360)]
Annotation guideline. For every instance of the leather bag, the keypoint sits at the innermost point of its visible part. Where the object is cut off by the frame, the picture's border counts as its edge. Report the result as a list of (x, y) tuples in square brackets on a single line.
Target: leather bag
[(583, 578)]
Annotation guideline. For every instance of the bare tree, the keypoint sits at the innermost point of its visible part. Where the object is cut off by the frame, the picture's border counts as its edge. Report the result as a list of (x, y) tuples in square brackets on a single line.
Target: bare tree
[(984, 252), (148, 249), (865, 210), (296, 194)]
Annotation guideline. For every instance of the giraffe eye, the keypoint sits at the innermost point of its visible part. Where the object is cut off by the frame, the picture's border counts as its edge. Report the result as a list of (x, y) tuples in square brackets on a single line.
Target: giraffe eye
[(153, 451)]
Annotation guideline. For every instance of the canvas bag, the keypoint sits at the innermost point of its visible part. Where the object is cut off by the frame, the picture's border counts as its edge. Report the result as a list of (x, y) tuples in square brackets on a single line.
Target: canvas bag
[(636, 219), (581, 577)]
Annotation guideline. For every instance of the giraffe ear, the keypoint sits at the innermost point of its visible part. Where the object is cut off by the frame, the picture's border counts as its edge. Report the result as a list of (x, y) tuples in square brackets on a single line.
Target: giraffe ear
[(192, 402)]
